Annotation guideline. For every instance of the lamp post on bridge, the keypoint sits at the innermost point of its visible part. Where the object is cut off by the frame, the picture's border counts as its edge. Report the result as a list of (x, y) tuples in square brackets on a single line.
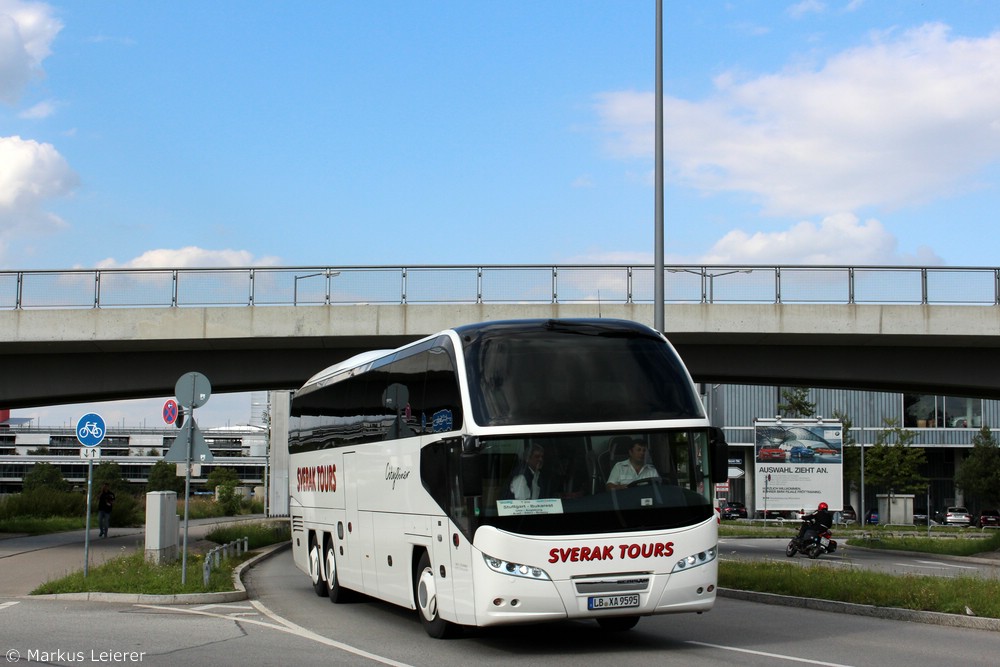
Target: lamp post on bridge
[(708, 296), (295, 284)]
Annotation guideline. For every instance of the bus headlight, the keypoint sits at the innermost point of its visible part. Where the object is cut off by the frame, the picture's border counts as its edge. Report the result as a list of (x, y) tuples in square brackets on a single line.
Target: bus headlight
[(515, 569), (694, 560)]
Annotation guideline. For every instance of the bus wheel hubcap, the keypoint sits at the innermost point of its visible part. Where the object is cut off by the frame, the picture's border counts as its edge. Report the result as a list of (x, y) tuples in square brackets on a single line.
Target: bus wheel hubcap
[(331, 567), (314, 563), (426, 595)]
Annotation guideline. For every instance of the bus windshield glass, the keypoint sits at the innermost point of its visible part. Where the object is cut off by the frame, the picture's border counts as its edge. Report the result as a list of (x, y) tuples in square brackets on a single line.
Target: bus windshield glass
[(574, 372), (592, 482)]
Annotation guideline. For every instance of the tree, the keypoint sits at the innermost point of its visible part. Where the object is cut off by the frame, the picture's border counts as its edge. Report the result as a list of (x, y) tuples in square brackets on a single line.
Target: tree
[(44, 476), (796, 403), (979, 474), (892, 463), (163, 477), (220, 475), (230, 500), (110, 473)]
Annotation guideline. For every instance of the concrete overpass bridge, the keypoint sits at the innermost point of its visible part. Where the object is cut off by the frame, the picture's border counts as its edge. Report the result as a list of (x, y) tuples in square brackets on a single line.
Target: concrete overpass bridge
[(93, 335)]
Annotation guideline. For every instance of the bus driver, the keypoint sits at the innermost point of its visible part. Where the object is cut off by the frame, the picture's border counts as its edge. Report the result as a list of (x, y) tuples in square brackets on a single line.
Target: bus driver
[(631, 469)]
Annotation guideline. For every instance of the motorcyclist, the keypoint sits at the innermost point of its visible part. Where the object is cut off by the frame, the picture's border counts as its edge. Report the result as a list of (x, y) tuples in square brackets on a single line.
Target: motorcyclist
[(816, 522)]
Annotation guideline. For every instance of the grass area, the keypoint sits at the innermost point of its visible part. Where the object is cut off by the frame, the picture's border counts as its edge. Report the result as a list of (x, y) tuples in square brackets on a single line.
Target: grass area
[(921, 593), (946, 541), (41, 525), (957, 546), (131, 573)]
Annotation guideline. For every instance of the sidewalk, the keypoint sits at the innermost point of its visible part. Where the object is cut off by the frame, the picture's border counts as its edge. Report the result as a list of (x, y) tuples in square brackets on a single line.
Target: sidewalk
[(29, 561)]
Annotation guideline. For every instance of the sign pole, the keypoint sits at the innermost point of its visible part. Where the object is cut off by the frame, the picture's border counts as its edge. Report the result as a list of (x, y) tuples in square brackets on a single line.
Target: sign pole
[(86, 539), (90, 430), (192, 391), (187, 497)]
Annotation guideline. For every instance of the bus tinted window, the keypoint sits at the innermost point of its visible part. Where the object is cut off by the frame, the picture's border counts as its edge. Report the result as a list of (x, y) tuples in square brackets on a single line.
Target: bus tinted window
[(414, 393), (575, 374)]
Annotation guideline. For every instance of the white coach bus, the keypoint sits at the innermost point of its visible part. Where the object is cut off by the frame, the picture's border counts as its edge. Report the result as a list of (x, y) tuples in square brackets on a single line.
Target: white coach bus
[(510, 472)]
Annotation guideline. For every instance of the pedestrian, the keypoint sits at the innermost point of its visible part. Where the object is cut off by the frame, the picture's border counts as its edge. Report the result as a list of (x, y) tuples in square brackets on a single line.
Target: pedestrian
[(104, 504)]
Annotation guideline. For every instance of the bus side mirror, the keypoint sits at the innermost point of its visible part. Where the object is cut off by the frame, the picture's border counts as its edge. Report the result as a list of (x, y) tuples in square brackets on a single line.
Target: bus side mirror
[(471, 473), (719, 450)]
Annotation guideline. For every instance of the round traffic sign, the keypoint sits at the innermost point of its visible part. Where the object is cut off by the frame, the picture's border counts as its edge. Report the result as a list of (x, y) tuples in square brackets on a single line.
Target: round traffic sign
[(192, 390), (90, 429), (170, 411)]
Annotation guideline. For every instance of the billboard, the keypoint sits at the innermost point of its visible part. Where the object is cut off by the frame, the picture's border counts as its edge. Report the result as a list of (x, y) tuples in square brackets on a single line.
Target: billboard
[(798, 463)]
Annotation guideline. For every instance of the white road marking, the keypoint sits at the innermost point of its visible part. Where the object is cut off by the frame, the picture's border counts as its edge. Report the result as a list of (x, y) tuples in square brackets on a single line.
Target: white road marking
[(205, 607), (764, 654), (283, 625), (4, 605), (940, 564)]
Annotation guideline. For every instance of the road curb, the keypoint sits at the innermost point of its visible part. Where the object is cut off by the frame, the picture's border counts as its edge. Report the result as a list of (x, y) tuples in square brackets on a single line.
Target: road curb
[(182, 598), (890, 613)]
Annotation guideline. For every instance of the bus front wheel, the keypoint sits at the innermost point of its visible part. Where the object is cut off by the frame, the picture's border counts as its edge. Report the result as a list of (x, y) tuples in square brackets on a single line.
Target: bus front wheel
[(425, 590), (316, 567)]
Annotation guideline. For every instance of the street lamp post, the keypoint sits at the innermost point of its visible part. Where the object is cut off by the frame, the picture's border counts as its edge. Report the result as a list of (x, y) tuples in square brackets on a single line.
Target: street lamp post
[(295, 286), (708, 280)]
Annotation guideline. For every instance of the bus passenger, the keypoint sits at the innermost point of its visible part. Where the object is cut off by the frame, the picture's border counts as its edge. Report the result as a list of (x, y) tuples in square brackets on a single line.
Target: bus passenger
[(631, 469), (526, 484)]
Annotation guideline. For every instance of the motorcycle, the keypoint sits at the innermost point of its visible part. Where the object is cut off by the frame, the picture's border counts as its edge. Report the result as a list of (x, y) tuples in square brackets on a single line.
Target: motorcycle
[(815, 541)]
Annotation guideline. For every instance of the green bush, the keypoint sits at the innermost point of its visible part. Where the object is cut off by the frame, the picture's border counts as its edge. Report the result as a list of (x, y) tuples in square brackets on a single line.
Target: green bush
[(127, 510), (258, 533), (43, 502), (44, 475), (200, 508)]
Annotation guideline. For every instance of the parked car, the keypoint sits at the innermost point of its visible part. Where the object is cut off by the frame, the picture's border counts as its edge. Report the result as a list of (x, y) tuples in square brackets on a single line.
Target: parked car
[(871, 517), (771, 454), (957, 516), (801, 453), (988, 518), (848, 515), (732, 509)]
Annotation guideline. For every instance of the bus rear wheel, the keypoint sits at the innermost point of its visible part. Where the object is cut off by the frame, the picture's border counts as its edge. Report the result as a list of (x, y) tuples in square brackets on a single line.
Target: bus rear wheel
[(334, 591), (316, 568), (425, 592)]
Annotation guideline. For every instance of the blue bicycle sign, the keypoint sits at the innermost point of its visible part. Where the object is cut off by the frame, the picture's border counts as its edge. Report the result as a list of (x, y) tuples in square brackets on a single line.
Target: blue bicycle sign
[(90, 429)]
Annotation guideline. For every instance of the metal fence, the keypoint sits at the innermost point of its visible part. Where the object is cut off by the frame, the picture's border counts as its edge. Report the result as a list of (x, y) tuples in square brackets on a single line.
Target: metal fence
[(220, 553), (613, 284)]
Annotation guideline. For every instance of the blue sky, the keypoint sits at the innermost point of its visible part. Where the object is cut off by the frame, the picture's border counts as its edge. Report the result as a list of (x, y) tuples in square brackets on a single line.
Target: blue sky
[(452, 132)]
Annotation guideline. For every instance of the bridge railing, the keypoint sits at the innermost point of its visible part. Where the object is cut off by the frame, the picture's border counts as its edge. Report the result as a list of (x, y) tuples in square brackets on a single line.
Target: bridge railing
[(618, 284)]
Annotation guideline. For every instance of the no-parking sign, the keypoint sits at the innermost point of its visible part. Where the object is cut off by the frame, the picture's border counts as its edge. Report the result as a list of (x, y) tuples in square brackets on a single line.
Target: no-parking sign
[(170, 411)]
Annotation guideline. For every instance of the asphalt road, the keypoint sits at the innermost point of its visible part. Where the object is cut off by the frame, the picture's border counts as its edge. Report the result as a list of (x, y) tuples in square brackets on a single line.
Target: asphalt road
[(284, 622)]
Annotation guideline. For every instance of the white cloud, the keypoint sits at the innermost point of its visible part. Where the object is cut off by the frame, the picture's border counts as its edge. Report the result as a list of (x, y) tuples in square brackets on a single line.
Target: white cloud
[(838, 240), (900, 121), (188, 257), (40, 110), (32, 174), (800, 9), (27, 30)]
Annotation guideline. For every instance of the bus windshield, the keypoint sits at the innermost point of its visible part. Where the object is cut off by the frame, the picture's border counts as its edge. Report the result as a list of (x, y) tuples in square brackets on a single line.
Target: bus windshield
[(574, 372), (588, 483)]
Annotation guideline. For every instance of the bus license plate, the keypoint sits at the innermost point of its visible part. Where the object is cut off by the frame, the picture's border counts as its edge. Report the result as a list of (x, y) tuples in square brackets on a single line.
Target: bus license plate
[(613, 601)]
